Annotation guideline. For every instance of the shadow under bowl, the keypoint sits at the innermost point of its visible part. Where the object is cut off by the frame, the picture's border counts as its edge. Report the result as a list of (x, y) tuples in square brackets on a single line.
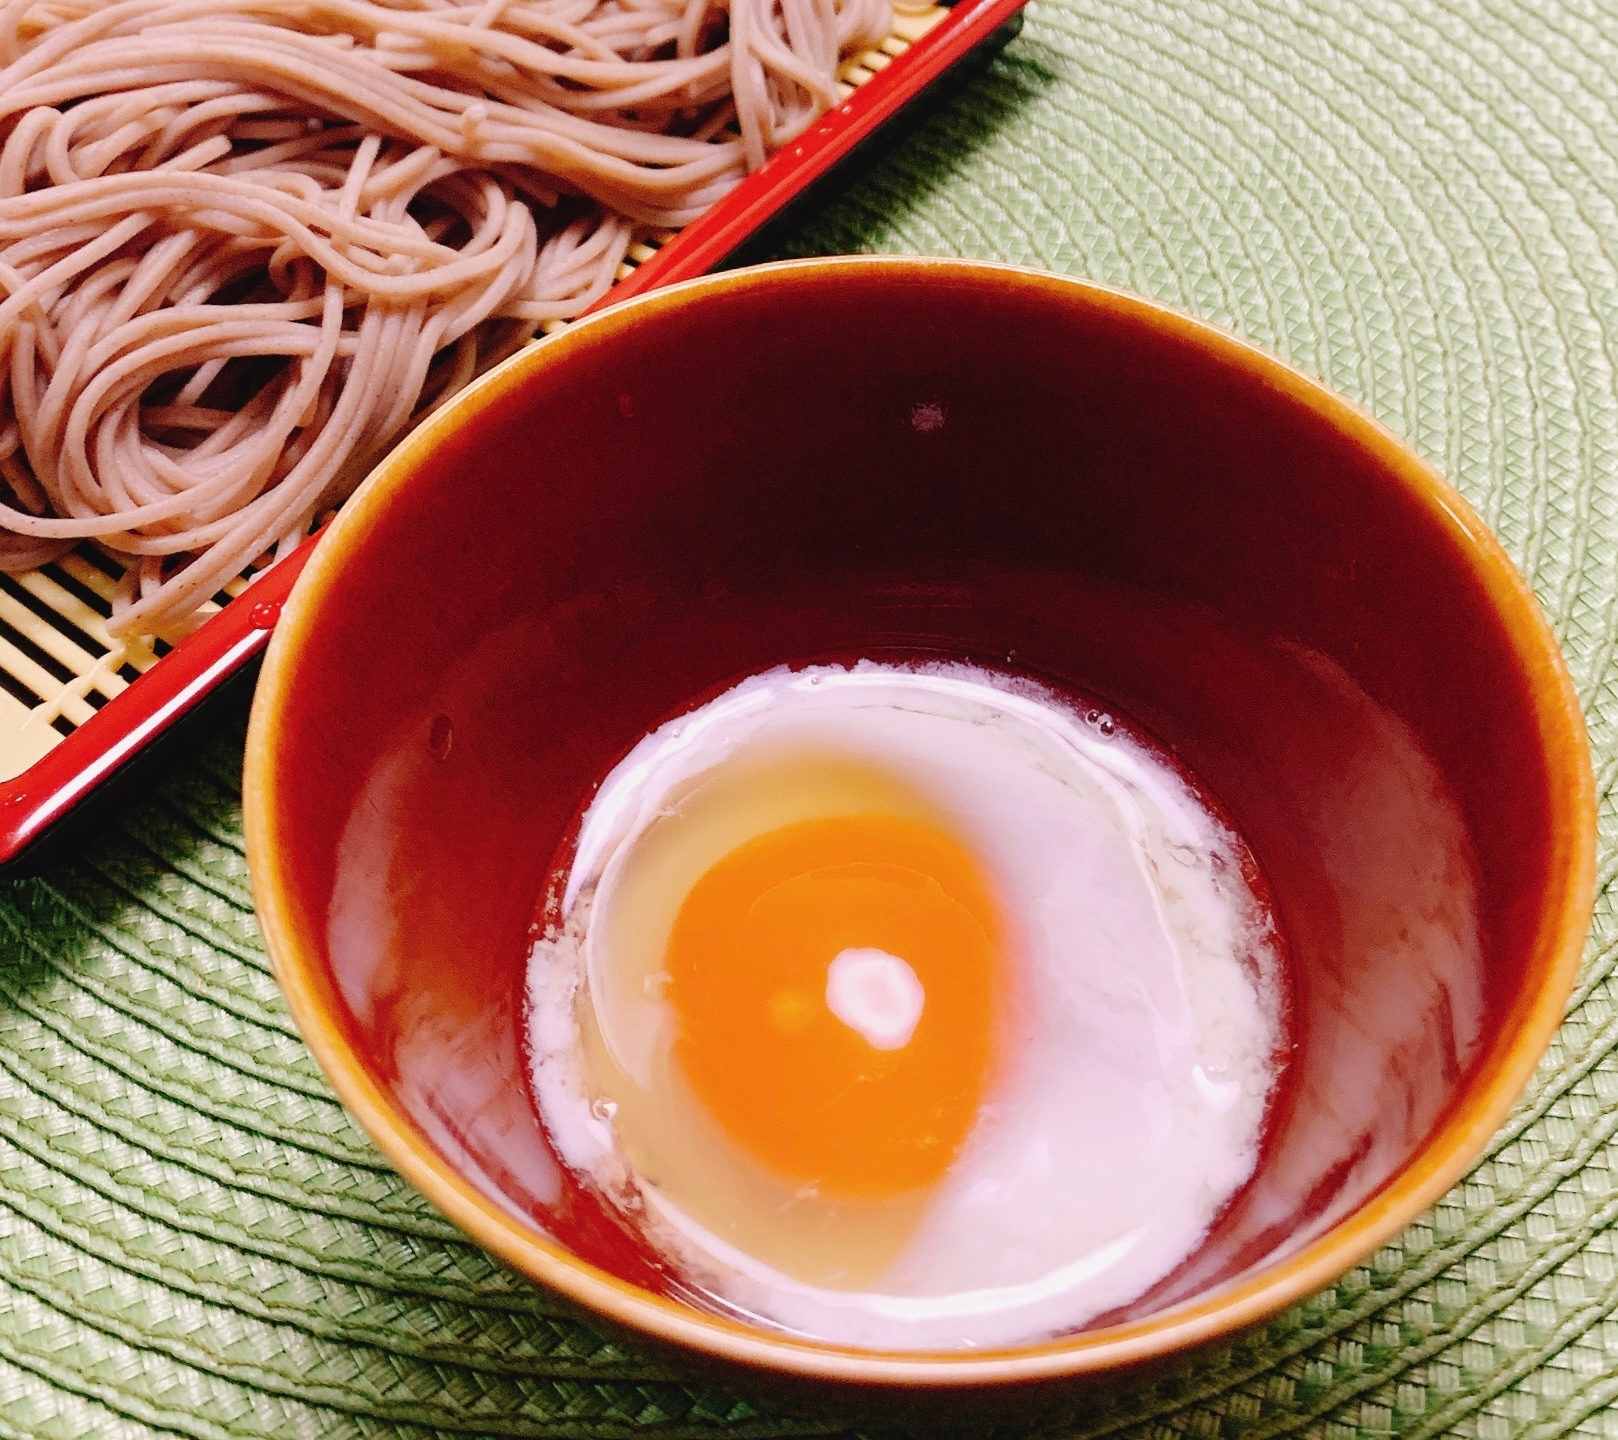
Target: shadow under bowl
[(892, 457)]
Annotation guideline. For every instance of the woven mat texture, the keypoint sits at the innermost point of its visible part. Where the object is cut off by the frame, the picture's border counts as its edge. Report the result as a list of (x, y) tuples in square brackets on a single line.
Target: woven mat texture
[(1417, 201)]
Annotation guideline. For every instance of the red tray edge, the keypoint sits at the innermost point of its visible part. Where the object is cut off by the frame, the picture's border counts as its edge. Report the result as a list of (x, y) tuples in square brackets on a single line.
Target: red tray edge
[(44, 793)]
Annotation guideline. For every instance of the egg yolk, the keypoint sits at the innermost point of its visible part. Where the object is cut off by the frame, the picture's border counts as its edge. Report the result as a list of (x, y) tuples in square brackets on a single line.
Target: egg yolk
[(835, 985)]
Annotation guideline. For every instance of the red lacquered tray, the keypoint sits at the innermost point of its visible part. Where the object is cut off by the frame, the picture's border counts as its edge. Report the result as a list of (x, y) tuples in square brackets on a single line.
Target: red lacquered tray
[(75, 706)]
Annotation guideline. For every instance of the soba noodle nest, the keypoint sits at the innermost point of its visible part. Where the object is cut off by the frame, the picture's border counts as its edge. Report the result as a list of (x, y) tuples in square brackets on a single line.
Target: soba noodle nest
[(246, 244)]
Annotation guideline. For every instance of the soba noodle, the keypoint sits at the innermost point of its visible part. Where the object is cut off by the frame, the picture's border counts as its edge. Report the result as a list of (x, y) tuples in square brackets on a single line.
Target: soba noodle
[(246, 244)]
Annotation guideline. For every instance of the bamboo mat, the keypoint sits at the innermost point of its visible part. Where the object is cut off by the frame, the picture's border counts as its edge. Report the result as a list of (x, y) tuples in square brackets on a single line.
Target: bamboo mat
[(1417, 201)]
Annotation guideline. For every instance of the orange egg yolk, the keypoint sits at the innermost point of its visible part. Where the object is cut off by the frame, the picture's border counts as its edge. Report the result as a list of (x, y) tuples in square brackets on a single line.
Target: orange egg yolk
[(800, 1089)]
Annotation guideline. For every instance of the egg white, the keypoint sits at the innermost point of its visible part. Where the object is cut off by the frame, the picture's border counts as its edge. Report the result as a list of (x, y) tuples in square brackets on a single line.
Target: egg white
[(1136, 1059)]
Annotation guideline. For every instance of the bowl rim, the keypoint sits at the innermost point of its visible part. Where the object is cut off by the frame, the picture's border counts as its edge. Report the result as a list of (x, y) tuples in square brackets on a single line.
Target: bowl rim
[(1450, 1151)]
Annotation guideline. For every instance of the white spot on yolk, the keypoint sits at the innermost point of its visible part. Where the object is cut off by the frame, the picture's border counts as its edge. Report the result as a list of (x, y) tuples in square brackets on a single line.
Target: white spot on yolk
[(875, 994)]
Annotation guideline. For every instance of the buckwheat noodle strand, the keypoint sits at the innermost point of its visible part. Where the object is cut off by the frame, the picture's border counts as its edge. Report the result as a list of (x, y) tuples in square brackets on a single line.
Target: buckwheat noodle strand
[(246, 244)]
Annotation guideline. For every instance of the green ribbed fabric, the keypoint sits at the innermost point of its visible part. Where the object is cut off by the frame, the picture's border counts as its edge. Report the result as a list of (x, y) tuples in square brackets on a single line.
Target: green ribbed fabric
[(1419, 202)]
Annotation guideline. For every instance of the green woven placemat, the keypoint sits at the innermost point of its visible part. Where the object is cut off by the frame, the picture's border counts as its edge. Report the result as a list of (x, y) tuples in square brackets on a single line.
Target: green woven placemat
[(1419, 203)]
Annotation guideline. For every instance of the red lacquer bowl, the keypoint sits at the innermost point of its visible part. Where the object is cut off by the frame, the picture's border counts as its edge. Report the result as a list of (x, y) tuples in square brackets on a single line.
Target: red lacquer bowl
[(886, 456)]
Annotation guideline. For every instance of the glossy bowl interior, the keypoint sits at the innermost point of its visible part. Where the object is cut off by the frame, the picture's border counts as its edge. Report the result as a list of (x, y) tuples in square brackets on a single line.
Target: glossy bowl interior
[(902, 457)]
